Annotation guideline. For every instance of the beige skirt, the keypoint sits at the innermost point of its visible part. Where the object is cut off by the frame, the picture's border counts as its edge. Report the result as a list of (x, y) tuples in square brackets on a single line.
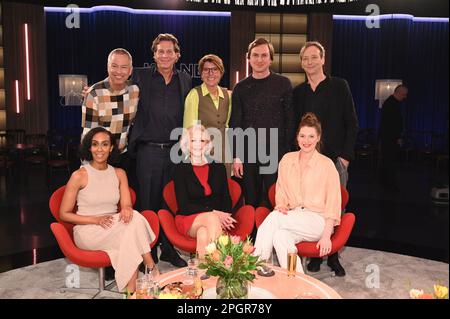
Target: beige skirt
[(124, 243)]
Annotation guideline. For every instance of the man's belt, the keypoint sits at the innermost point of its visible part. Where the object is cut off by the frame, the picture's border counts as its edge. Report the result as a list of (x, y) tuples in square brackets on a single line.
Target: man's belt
[(158, 145)]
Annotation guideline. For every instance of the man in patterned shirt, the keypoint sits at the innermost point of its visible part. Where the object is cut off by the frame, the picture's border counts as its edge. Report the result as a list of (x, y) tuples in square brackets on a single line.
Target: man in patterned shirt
[(112, 103)]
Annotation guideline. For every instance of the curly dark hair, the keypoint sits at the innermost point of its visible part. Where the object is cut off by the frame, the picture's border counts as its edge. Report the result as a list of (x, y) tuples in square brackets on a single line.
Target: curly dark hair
[(86, 142)]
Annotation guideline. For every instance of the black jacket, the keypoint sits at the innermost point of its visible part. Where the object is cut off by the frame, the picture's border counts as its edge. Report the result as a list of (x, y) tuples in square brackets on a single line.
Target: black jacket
[(190, 193), (143, 78), (391, 123), (335, 111)]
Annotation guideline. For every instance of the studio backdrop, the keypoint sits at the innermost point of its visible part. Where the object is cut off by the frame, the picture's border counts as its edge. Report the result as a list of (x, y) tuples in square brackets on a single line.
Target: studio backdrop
[(402, 47), (84, 49)]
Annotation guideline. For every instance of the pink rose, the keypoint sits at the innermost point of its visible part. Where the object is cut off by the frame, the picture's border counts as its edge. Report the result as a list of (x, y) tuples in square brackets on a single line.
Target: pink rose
[(228, 261), (235, 240), (248, 248)]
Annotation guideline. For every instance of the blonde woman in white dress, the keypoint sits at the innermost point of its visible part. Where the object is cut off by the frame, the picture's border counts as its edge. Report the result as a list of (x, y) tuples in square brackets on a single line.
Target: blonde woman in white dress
[(105, 219)]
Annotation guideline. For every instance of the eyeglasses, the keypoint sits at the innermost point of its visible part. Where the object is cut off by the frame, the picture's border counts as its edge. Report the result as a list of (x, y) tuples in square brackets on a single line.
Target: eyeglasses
[(210, 70)]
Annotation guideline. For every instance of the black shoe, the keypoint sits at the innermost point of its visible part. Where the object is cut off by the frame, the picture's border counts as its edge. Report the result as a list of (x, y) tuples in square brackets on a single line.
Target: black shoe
[(109, 273), (335, 265), (154, 253), (142, 267), (174, 259), (314, 264)]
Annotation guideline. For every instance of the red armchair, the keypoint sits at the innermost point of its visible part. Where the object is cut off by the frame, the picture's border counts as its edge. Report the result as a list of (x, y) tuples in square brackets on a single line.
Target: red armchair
[(245, 217), (88, 258), (308, 249)]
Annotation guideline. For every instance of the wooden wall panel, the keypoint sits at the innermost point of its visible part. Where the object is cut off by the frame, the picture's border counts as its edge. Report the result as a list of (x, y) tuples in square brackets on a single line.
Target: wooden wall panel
[(34, 113), (242, 32)]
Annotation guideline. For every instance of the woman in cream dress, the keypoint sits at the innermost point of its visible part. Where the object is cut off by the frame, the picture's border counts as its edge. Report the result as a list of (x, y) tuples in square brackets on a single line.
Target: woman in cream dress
[(105, 219)]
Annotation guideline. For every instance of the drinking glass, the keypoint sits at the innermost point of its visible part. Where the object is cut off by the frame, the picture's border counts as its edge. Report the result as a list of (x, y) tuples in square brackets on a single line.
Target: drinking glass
[(291, 262), (193, 264), (188, 283), (269, 262), (142, 287), (151, 274)]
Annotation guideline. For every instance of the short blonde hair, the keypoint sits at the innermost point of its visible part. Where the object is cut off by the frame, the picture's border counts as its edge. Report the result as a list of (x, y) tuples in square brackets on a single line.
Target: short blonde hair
[(214, 59), (187, 135), (312, 44)]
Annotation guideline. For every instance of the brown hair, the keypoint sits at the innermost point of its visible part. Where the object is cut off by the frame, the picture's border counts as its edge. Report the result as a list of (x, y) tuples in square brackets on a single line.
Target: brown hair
[(261, 41), (311, 120), (214, 59), (312, 44), (165, 37)]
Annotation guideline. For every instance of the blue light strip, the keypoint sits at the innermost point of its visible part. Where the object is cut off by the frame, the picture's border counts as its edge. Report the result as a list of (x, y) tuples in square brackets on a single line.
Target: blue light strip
[(423, 19), (137, 11), (389, 16)]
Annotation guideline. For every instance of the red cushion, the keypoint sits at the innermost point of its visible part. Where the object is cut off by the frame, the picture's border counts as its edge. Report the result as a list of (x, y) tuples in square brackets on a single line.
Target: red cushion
[(84, 258), (261, 214), (338, 239), (153, 220), (179, 240), (245, 217)]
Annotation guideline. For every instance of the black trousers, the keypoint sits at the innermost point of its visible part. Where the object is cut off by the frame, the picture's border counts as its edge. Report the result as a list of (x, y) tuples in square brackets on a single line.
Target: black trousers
[(129, 166), (154, 170), (256, 185), (389, 163)]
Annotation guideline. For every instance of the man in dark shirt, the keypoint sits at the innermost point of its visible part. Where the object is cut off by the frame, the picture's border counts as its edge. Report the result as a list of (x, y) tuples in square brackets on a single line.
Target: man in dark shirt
[(261, 101), (391, 128), (331, 100), (160, 110)]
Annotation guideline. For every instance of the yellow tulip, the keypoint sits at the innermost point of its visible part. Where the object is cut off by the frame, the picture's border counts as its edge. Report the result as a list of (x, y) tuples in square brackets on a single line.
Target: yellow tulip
[(441, 292), (223, 240)]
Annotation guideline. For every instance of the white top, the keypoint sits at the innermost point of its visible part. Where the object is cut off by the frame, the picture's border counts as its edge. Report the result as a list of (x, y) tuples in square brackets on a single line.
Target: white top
[(101, 194)]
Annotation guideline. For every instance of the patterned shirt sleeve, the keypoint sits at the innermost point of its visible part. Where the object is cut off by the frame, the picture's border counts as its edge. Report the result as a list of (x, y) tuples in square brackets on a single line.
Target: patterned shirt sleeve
[(89, 112)]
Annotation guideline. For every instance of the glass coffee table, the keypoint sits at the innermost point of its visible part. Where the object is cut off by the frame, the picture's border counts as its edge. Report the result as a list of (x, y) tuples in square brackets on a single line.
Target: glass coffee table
[(278, 286)]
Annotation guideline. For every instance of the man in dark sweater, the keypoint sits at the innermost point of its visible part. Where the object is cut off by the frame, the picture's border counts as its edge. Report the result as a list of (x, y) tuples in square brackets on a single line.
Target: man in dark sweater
[(331, 100), (391, 128), (262, 103)]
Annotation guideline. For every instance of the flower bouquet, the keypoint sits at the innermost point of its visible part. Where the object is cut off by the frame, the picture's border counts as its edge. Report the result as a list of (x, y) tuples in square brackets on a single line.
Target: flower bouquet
[(440, 292), (231, 260)]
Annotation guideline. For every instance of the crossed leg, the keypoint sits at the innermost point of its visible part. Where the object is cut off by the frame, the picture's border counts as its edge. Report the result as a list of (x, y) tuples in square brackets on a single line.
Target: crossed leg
[(206, 228)]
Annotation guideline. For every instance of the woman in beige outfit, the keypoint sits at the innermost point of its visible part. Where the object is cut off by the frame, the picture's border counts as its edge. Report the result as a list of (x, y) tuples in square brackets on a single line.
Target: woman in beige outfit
[(105, 219)]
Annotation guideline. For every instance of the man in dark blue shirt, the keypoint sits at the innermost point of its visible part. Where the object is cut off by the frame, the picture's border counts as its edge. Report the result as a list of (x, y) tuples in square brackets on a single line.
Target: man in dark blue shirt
[(160, 110)]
